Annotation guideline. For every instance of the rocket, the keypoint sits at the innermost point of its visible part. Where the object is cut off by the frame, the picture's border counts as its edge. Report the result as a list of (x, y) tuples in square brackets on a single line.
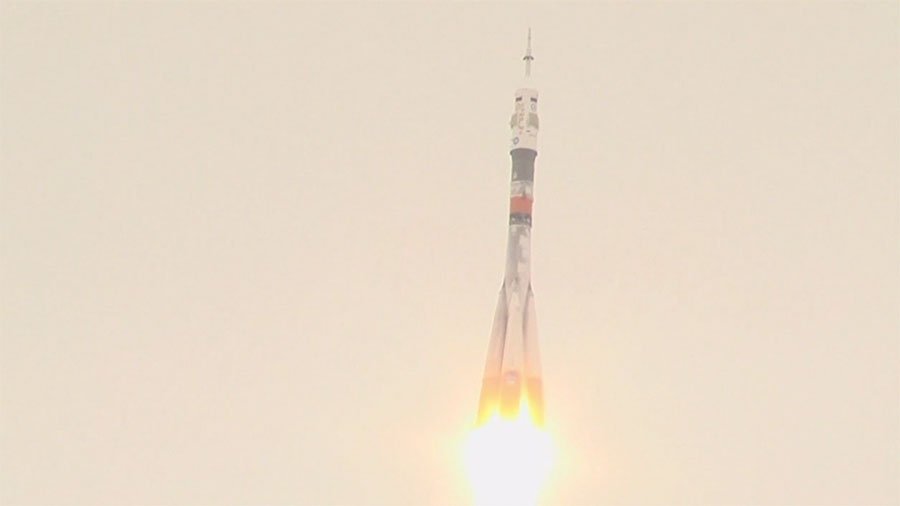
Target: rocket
[(512, 374)]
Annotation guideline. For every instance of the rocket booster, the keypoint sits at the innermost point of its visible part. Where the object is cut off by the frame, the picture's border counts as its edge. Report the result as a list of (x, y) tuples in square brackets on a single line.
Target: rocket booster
[(512, 374)]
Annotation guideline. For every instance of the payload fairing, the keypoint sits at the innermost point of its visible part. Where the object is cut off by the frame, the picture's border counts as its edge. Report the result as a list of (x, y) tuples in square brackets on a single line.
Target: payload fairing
[(512, 375)]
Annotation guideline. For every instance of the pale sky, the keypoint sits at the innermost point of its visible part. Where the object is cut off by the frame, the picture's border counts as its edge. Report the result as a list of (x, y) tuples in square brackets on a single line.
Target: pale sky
[(251, 251)]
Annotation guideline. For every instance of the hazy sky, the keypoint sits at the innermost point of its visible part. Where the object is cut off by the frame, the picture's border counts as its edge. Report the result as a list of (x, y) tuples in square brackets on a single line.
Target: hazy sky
[(251, 251)]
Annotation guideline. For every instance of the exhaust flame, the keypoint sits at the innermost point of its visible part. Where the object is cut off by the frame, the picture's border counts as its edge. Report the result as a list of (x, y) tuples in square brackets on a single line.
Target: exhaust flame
[(508, 459)]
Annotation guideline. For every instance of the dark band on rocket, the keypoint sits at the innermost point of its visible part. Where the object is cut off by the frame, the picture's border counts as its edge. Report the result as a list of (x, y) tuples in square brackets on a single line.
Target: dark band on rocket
[(522, 170), (523, 164), (520, 219)]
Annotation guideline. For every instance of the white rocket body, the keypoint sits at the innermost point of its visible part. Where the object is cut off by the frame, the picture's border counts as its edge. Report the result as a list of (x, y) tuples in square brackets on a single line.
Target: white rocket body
[(512, 374)]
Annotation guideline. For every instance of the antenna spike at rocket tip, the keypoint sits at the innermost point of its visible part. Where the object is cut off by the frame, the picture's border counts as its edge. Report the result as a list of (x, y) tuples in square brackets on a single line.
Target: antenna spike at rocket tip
[(529, 41), (528, 58)]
